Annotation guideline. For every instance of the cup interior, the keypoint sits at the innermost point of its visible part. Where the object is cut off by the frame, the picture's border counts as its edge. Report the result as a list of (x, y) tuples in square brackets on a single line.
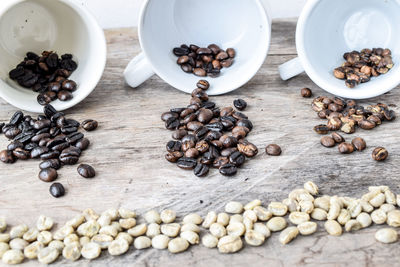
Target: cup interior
[(327, 29), (167, 24), (60, 26)]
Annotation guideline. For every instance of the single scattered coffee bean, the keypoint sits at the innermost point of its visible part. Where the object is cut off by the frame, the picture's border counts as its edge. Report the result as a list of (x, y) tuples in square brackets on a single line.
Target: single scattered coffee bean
[(359, 143), (306, 92), (86, 171), (346, 148), (89, 125), (57, 190), (380, 154), (273, 150), (327, 141), (240, 104), (48, 175)]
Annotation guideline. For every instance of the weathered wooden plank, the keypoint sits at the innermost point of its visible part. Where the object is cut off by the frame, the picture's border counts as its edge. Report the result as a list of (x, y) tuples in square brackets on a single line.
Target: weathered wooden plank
[(128, 153)]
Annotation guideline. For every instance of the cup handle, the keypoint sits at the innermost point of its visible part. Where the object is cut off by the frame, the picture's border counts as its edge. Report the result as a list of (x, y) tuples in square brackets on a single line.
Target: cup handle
[(138, 71), (290, 69)]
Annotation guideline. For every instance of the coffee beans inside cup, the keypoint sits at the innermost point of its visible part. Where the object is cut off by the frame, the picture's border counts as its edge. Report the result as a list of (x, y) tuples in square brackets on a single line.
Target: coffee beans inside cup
[(361, 66), (208, 136), (47, 75), (204, 61), (53, 138)]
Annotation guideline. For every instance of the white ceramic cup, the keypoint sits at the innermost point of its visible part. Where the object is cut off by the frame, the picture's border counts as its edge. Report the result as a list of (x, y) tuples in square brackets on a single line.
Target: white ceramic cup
[(241, 24), (63, 26), (327, 29)]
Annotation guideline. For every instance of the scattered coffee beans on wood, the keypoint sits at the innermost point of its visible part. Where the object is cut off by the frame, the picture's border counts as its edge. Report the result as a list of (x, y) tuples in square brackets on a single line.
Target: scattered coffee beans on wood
[(306, 92), (380, 154), (361, 66), (208, 136), (48, 75), (115, 230), (51, 137), (204, 61)]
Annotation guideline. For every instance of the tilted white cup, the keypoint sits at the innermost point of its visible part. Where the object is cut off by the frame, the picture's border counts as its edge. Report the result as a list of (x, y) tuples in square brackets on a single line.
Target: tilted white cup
[(327, 29), (63, 26), (241, 24)]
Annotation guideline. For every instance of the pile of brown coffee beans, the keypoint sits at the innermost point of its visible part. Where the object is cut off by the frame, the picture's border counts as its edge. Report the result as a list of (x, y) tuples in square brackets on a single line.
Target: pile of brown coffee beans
[(50, 137), (204, 61), (361, 66), (48, 75), (208, 136)]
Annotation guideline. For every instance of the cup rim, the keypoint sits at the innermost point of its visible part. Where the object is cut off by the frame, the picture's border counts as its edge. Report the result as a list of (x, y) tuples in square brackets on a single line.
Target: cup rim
[(389, 84), (267, 21), (90, 85)]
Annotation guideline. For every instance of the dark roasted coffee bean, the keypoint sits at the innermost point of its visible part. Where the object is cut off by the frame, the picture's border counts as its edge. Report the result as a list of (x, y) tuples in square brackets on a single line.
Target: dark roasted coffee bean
[(194, 125), (89, 125), (174, 156), (44, 141), (327, 141), (50, 163), (48, 175), (203, 51), (57, 190), (215, 49), (240, 104), (38, 151), (227, 62), (167, 115), (22, 154), (86, 171), (337, 137), (40, 124), (228, 124), (216, 126), (228, 169), (273, 150), (30, 146), (68, 159), (389, 114), (14, 145), (199, 93), (228, 151), (69, 129), (237, 159), (201, 132), (187, 68), (238, 115), (16, 73), (60, 147), (52, 60), (217, 144), (174, 146), (321, 129), (69, 85), (179, 134), (54, 87), (306, 92), (228, 141), (74, 137), (178, 51), (7, 156), (39, 137), (83, 144), (64, 95), (16, 118), (201, 170), (186, 163), (359, 143), (245, 123), (209, 105), (346, 148), (172, 124), (42, 99), (231, 52), (24, 137), (49, 111), (380, 154), (11, 132), (203, 84), (205, 115), (55, 141), (192, 153)]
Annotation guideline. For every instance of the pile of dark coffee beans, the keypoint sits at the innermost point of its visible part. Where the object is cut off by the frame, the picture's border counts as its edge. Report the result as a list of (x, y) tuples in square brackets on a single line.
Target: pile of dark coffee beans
[(48, 75), (346, 116), (204, 61), (208, 136), (361, 66), (51, 137)]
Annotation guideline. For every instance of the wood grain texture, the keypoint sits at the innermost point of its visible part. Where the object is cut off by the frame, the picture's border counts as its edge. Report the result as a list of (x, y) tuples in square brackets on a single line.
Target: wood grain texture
[(128, 148)]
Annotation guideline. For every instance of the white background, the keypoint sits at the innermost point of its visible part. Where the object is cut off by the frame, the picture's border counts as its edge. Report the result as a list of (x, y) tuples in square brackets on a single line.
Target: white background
[(124, 13)]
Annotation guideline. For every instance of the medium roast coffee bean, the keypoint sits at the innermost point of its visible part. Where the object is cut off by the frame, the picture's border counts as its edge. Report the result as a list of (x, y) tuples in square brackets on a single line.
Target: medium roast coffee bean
[(179, 134), (273, 150), (86, 171), (306, 92), (203, 84), (187, 163), (321, 129), (240, 104), (237, 159), (48, 175), (337, 137), (201, 170), (89, 125), (380, 154), (220, 161), (22, 154), (57, 190), (205, 115), (346, 148), (192, 153), (7, 156), (228, 169), (247, 148), (174, 156), (327, 141), (202, 146), (359, 143)]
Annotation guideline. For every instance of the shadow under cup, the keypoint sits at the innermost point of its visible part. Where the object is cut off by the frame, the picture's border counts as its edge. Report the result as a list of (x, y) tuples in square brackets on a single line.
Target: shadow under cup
[(240, 24), (331, 28), (59, 26)]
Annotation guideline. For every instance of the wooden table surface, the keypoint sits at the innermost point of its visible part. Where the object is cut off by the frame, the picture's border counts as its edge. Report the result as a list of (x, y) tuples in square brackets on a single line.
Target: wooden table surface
[(128, 150)]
